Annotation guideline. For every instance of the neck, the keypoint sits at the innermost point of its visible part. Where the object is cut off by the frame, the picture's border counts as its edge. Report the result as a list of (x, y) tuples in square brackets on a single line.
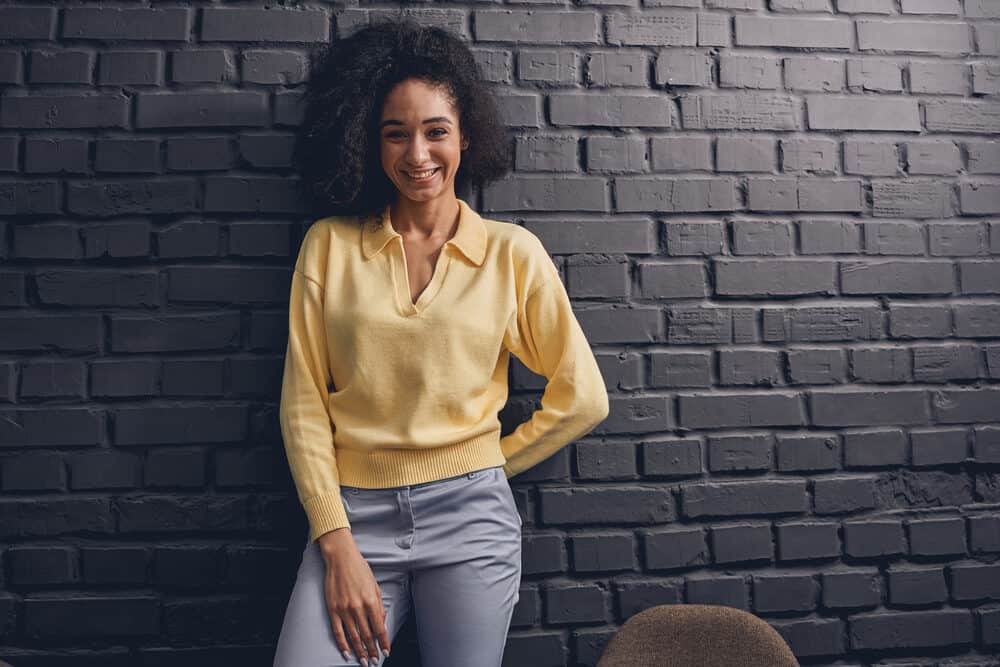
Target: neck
[(425, 219)]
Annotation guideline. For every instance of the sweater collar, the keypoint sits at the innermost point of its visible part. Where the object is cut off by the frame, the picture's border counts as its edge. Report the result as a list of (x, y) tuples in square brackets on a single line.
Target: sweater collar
[(470, 237)]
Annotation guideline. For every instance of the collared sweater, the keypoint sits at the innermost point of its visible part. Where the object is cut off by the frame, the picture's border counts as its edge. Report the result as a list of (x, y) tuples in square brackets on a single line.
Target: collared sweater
[(379, 391)]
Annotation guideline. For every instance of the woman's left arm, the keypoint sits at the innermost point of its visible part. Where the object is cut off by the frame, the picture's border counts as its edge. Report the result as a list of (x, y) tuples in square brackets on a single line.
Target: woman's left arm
[(548, 339)]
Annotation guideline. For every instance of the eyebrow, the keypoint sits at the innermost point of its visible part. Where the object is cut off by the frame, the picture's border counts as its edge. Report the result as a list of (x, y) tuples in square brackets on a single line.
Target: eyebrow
[(435, 119)]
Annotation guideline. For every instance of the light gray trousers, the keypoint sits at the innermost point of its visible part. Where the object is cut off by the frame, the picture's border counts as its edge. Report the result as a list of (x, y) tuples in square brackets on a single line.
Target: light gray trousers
[(450, 550)]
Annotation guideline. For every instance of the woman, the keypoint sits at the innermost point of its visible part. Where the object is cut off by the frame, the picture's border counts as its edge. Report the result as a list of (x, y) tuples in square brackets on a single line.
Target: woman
[(405, 305)]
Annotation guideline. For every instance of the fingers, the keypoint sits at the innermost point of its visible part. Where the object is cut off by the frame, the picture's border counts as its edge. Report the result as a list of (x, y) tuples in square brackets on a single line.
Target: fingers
[(372, 624), (381, 633), (349, 639), (339, 636), (359, 633)]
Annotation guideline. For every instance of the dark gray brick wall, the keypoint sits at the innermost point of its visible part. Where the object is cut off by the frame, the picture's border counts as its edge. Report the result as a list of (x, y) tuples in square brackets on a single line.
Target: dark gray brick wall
[(779, 221)]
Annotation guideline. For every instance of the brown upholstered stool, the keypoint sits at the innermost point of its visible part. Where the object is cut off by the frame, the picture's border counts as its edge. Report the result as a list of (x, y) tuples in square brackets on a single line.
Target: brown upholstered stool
[(696, 635)]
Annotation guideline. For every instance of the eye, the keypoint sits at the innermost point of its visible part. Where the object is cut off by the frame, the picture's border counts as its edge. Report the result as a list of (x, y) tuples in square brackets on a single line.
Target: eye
[(397, 133)]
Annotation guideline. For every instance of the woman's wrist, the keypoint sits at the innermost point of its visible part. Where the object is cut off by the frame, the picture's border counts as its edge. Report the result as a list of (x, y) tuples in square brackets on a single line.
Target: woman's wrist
[(335, 540)]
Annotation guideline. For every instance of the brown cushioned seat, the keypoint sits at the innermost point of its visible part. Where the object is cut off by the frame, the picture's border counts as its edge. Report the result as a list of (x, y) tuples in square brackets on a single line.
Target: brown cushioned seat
[(696, 635)]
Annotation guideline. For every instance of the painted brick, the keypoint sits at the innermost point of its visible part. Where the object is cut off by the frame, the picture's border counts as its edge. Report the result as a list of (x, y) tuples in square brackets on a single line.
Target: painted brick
[(881, 365), (745, 367), (957, 239), (681, 153), (912, 198), (986, 78), (914, 36), (821, 323), (537, 26), (735, 4), (610, 110), (653, 27), (870, 158), (619, 154), (762, 237), (745, 154), (816, 366), (982, 9), (673, 281), (828, 112), (610, 68), (694, 238), (946, 78), (812, 33), (810, 73), (886, 237), (987, 38), (545, 153), (868, 408), (939, 7), (787, 277), (731, 410), (713, 29), (956, 116), (984, 157), (897, 277), (828, 237), (804, 194), (800, 6), (980, 197), (933, 157), (749, 72), (740, 111), (866, 6), (684, 67), (675, 194), (541, 193), (810, 155), (135, 23), (877, 74), (554, 66), (918, 321)]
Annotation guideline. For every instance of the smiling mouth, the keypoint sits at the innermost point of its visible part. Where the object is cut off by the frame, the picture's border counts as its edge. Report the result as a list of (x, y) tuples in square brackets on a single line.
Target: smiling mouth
[(426, 175)]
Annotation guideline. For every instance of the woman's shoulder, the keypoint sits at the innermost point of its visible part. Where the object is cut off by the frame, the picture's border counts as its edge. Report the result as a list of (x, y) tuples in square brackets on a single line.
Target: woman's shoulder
[(324, 237), (528, 256), (522, 244)]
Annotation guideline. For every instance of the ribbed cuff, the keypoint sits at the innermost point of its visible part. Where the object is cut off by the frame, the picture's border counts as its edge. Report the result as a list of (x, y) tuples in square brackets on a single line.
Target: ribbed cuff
[(325, 513)]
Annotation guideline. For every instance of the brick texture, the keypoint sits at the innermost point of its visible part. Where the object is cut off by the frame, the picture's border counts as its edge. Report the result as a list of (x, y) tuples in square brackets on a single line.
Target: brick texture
[(779, 222)]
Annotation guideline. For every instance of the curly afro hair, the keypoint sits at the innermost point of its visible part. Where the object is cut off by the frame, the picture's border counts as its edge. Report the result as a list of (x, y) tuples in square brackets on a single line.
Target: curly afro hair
[(336, 150)]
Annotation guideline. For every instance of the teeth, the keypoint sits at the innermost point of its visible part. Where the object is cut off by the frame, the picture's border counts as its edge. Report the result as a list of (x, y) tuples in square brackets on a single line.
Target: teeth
[(421, 174)]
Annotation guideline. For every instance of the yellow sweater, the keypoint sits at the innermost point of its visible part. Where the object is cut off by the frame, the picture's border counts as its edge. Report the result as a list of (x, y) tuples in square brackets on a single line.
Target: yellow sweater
[(380, 392)]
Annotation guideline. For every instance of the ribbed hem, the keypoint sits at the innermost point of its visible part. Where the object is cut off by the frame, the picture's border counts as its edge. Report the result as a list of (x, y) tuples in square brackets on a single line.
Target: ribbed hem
[(384, 468), (325, 513)]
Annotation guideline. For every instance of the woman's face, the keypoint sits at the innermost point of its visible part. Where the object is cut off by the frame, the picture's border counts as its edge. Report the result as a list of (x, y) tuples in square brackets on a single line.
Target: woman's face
[(418, 131)]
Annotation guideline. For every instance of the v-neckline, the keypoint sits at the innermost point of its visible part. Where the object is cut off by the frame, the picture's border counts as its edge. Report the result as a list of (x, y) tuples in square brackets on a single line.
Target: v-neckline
[(401, 279)]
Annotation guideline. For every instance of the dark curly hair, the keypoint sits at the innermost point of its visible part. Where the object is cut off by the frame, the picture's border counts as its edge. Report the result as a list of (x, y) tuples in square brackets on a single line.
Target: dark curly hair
[(336, 148)]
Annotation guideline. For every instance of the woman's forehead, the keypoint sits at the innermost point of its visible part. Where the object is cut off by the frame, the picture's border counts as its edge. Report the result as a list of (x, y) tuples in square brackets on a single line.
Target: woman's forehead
[(417, 100)]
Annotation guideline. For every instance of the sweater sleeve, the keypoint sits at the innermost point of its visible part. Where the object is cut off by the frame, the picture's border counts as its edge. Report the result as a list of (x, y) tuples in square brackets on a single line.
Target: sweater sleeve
[(305, 423), (549, 341)]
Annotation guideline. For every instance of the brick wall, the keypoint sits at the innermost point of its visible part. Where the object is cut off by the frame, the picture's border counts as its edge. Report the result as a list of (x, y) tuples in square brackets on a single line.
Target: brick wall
[(780, 223)]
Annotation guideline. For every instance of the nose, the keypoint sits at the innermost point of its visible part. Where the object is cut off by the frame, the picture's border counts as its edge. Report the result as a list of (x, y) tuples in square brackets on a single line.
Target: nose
[(416, 153)]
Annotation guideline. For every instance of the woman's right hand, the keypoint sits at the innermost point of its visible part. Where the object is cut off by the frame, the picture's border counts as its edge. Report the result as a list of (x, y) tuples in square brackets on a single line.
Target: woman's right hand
[(353, 596)]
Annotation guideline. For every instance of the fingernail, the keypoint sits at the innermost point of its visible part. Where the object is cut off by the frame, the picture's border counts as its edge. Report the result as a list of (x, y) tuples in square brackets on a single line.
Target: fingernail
[(364, 662), (346, 655)]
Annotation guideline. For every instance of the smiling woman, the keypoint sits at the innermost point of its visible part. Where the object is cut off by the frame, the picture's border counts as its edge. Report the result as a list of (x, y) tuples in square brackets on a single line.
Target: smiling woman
[(404, 309), (350, 108)]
